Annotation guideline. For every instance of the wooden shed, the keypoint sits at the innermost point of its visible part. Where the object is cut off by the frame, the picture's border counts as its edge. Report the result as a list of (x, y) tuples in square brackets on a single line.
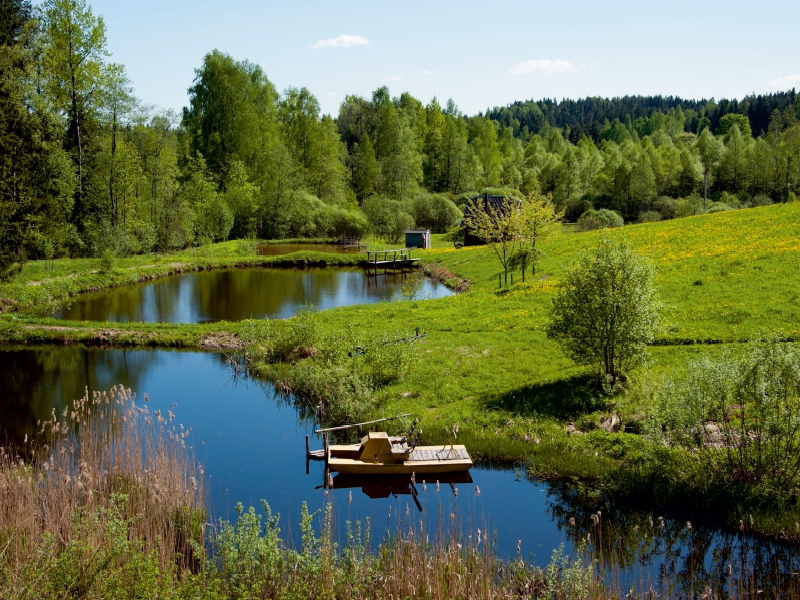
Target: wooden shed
[(418, 238)]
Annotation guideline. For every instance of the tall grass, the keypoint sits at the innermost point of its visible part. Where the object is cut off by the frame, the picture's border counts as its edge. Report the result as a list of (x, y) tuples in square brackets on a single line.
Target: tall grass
[(106, 456)]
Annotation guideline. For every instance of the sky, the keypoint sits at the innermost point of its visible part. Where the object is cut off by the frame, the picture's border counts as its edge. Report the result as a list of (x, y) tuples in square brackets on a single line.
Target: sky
[(480, 54)]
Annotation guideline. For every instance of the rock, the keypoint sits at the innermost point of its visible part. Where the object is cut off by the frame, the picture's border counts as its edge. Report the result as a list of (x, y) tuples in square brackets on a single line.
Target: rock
[(572, 430), (610, 423)]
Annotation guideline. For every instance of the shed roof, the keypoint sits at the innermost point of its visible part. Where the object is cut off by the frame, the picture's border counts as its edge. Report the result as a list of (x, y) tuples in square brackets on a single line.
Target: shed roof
[(418, 230)]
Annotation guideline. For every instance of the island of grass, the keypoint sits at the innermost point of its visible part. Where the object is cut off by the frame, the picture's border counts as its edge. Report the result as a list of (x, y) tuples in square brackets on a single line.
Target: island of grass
[(726, 279)]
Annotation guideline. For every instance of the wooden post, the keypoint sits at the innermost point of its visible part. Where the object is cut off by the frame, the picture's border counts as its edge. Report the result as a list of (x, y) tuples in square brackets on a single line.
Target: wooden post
[(308, 448), (499, 280)]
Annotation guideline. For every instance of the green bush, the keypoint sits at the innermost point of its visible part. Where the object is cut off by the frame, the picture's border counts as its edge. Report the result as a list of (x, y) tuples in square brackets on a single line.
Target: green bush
[(606, 309), (389, 218), (760, 200), (665, 206), (691, 205), (108, 262), (599, 219), (435, 212), (731, 200), (649, 216), (716, 207), (738, 414)]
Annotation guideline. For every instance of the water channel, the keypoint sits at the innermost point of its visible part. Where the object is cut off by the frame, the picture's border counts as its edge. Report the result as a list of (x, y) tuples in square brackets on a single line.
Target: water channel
[(236, 294)]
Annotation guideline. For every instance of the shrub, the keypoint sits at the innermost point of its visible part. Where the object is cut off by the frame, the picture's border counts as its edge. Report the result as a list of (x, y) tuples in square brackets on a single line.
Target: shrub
[(575, 208), (435, 211), (760, 200), (649, 216), (389, 218), (731, 200), (665, 206), (599, 219), (108, 262), (716, 207), (738, 413), (691, 205), (606, 309)]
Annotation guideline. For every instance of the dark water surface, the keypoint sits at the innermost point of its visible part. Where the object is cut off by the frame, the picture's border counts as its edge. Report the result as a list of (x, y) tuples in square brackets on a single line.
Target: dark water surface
[(279, 249), (253, 444), (237, 294)]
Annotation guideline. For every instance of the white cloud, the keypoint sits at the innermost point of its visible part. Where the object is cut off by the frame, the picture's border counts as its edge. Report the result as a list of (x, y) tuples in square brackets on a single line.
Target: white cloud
[(426, 72), (393, 78), (542, 66), (343, 41), (785, 81), (330, 94)]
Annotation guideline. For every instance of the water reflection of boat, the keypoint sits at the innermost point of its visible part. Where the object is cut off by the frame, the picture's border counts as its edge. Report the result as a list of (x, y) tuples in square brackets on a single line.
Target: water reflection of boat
[(383, 486)]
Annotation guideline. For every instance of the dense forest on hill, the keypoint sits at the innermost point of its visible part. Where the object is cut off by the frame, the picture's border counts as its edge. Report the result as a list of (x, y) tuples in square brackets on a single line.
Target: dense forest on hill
[(592, 117), (87, 169)]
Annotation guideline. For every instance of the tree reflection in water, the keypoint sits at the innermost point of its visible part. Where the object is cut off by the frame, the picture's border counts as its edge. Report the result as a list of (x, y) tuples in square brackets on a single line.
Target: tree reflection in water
[(674, 557)]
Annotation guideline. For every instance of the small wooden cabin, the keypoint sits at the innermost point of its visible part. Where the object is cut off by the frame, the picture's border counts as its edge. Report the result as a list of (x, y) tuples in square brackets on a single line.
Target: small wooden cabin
[(418, 238), (479, 203)]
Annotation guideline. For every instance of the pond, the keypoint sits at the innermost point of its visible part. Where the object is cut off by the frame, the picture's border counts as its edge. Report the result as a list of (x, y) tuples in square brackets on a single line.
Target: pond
[(253, 445), (279, 249), (237, 294)]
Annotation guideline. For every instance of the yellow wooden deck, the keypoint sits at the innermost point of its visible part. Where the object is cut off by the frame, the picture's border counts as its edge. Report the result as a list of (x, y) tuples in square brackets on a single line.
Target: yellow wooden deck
[(423, 459)]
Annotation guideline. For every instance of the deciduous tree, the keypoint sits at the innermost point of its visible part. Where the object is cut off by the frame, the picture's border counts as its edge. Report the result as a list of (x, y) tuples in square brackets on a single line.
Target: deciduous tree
[(606, 309)]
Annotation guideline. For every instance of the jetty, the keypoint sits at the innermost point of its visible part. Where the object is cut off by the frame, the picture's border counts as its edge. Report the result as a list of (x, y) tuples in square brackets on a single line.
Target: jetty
[(390, 259)]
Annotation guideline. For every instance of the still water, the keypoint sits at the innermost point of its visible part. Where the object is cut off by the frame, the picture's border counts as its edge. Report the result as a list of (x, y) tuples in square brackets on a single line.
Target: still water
[(253, 445), (237, 294)]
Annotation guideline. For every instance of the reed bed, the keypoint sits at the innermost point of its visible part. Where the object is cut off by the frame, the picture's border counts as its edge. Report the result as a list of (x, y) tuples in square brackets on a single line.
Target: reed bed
[(105, 456)]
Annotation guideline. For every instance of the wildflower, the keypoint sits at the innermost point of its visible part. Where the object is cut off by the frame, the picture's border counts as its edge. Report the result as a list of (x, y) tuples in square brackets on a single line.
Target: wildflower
[(477, 491), (519, 544), (350, 498)]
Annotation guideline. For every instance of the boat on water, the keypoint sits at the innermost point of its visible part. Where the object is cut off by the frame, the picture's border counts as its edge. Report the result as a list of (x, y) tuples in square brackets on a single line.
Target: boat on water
[(381, 454)]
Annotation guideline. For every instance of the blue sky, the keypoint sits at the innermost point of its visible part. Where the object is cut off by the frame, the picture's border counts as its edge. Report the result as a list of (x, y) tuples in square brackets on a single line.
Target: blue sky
[(482, 54)]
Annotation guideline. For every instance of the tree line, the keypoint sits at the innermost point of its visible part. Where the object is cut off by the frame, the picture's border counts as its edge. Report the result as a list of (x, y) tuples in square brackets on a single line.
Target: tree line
[(87, 168)]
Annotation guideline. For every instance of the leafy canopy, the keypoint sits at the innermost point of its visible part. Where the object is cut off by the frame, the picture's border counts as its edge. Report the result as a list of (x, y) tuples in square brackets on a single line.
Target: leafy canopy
[(606, 309)]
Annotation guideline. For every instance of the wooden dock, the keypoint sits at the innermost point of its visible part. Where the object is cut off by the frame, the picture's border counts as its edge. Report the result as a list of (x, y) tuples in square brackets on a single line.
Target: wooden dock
[(391, 259)]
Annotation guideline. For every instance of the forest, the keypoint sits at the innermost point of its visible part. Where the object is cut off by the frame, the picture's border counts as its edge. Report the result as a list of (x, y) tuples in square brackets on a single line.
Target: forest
[(88, 169)]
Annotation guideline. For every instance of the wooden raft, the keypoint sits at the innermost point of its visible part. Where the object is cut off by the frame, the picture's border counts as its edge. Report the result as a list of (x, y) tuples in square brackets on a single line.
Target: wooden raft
[(430, 453)]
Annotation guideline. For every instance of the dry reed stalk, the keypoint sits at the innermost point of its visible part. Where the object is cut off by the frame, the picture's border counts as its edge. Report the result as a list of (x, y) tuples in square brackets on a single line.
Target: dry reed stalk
[(102, 447)]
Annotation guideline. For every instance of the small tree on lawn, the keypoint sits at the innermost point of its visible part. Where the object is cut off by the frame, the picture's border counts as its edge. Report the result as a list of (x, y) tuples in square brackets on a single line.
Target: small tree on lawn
[(606, 309), (538, 220), (498, 227)]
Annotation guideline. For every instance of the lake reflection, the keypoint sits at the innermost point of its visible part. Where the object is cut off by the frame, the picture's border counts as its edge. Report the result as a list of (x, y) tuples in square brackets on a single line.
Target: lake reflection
[(237, 294)]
